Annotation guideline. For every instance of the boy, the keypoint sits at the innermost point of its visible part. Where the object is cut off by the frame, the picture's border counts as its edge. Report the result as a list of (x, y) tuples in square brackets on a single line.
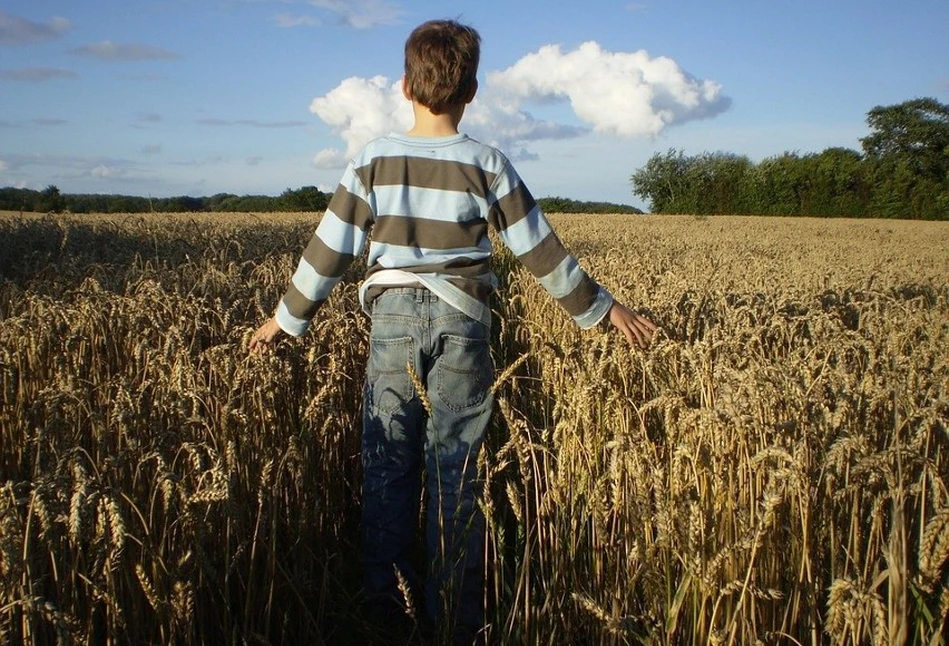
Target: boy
[(428, 198)]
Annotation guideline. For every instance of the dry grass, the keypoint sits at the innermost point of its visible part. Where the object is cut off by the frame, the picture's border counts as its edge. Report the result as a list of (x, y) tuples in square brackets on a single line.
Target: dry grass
[(773, 469)]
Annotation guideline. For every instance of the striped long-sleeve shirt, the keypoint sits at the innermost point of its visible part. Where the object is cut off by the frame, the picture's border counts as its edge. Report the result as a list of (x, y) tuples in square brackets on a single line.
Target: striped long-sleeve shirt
[(424, 205)]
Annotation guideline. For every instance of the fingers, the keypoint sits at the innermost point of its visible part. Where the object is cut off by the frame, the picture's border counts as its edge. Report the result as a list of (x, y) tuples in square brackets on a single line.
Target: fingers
[(257, 344), (640, 331), (261, 339), (644, 330), (637, 329)]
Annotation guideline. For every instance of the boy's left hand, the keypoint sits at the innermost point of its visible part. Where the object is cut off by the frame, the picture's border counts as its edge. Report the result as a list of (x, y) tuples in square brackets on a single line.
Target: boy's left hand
[(264, 336)]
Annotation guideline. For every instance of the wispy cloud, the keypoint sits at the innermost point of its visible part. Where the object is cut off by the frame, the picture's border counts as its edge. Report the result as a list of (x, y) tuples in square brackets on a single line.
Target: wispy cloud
[(253, 123), (357, 14), (148, 117), (361, 14), (213, 160), (287, 20), (36, 74), (151, 149), (102, 171), (20, 31), (143, 76), (622, 94), (122, 52), (76, 166)]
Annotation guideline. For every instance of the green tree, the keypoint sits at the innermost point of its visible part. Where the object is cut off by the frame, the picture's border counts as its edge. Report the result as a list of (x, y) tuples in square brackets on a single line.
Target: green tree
[(908, 159), (783, 184), (916, 131), (663, 182), (837, 183), (50, 200), (306, 198)]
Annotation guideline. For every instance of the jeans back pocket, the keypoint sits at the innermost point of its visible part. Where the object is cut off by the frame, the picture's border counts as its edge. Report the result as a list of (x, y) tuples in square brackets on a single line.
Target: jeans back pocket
[(390, 387), (464, 372)]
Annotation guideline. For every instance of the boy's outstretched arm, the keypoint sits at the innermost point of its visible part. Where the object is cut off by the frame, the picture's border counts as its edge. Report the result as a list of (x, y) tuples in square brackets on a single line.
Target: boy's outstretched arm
[(340, 237), (637, 329)]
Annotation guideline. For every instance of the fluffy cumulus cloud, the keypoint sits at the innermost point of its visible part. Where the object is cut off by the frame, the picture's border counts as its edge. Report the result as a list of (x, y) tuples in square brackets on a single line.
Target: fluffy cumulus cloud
[(358, 110), (620, 93), (19, 31), (614, 93)]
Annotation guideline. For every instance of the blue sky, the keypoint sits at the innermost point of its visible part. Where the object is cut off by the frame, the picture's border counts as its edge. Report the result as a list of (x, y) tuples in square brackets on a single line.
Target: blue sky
[(197, 97)]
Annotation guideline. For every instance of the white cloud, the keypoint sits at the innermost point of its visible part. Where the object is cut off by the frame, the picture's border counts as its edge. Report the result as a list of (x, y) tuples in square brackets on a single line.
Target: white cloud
[(330, 158), (359, 110), (75, 166), (107, 172), (493, 120), (3, 165), (110, 51), (626, 94)]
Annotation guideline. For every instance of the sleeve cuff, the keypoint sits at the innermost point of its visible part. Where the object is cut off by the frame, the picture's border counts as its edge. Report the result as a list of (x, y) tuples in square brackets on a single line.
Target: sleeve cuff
[(600, 308), (289, 323)]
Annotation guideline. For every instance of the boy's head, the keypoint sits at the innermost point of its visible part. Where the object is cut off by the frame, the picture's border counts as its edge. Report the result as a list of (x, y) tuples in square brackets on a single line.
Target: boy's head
[(441, 64)]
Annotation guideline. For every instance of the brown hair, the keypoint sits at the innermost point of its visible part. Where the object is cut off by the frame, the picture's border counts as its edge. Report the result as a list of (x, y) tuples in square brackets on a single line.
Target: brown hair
[(441, 64)]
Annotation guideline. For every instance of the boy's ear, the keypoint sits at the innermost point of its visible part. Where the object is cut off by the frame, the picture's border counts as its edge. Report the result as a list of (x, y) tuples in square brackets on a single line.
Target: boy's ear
[(405, 89), (472, 92)]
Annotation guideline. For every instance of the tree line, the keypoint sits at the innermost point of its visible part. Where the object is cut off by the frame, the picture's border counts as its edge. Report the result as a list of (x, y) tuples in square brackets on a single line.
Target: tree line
[(902, 172), (50, 200), (307, 198)]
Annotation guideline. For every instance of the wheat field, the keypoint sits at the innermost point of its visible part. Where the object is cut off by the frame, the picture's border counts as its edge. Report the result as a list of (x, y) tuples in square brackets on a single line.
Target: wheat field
[(773, 470)]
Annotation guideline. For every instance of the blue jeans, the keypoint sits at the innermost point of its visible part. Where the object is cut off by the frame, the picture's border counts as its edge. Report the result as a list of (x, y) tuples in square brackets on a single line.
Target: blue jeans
[(450, 354)]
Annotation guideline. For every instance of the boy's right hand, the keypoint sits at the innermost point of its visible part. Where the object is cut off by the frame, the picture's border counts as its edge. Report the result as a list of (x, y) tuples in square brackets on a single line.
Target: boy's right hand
[(637, 329), (264, 336)]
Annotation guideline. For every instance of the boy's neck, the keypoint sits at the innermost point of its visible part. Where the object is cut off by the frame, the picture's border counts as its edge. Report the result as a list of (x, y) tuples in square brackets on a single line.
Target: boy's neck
[(428, 124)]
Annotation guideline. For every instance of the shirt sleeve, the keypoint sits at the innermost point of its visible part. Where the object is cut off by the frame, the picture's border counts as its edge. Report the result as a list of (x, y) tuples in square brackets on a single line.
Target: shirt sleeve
[(528, 234), (337, 241)]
